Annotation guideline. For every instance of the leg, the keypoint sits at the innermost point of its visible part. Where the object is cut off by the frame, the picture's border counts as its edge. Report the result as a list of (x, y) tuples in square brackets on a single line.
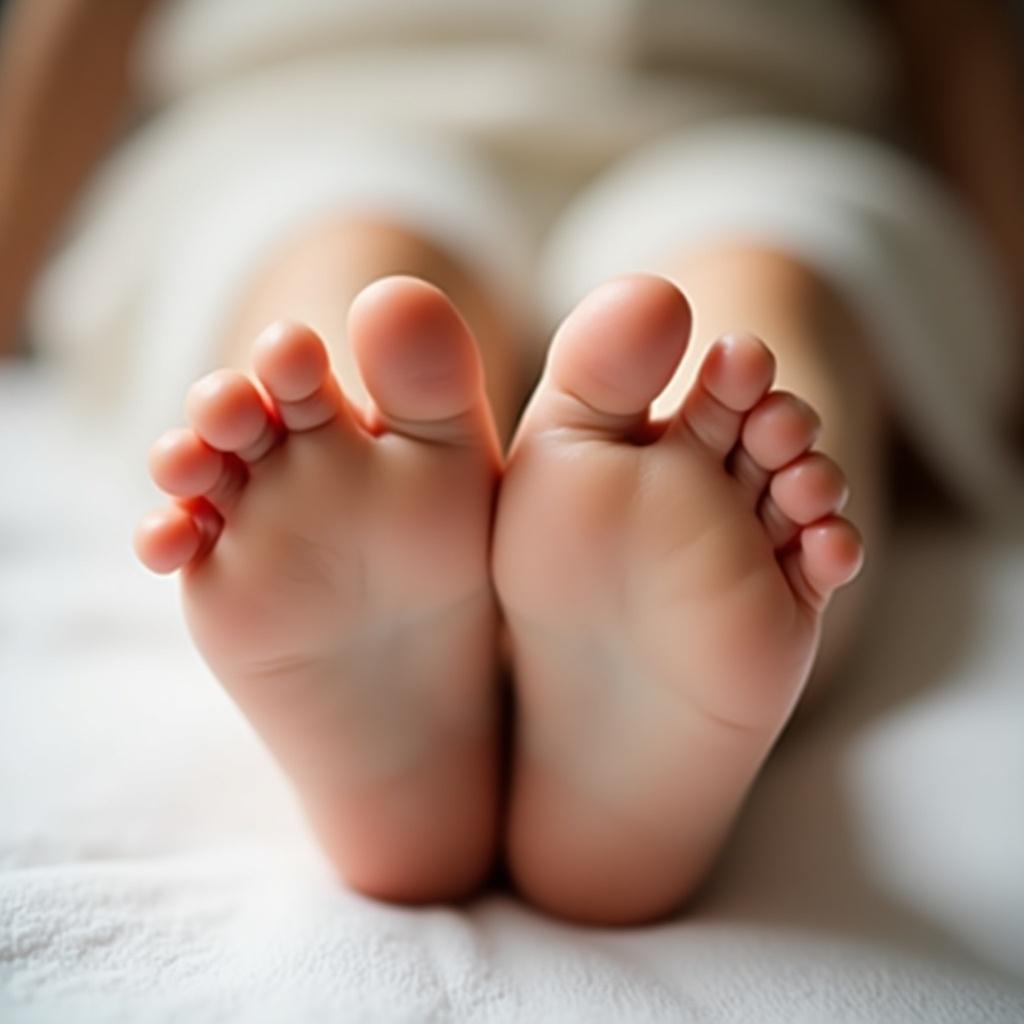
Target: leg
[(664, 585), (335, 562)]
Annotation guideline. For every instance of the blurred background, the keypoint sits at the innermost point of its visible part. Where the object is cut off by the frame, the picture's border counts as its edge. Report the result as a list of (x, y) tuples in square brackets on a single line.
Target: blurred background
[(153, 154)]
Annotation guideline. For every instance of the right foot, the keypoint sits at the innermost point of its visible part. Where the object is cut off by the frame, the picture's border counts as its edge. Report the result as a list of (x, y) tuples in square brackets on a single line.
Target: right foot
[(335, 578)]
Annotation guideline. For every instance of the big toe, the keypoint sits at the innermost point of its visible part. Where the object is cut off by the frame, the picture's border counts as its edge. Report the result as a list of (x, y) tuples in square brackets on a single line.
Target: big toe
[(613, 355), (420, 362)]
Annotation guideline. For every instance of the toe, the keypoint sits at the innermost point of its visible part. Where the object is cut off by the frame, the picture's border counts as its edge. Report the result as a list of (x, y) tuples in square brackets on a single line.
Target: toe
[(172, 537), (291, 362), (227, 412), (183, 464), (779, 429), (829, 555), (737, 371), (612, 356), (811, 487), (420, 363)]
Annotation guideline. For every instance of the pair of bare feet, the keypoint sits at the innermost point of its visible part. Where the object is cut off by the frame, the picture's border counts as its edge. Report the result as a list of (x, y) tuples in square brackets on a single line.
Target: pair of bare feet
[(348, 574)]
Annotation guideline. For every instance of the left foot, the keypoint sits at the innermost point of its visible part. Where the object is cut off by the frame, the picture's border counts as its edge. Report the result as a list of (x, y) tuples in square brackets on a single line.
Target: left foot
[(664, 588)]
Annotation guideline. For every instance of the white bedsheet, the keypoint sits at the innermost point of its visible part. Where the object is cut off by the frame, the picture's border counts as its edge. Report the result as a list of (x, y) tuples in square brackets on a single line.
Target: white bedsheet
[(153, 868)]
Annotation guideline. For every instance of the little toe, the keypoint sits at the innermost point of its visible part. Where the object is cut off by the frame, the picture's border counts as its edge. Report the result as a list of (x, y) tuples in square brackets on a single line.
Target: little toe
[(830, 554), (420, 363), (291, 362), (737, 371), (612, 356), (168, 539), (779, 429), (228, 413)]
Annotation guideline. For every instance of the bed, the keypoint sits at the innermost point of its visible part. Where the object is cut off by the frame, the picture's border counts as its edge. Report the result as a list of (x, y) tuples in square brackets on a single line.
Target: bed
[(153, 866)]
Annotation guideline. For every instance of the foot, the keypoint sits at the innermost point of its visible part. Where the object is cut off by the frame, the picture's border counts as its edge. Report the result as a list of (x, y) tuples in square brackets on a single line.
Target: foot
[(664, 586), (334, 564)]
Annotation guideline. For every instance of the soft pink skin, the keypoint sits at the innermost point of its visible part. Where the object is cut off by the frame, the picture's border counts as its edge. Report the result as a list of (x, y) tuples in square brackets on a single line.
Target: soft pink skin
[(336, 580), (663, 585)]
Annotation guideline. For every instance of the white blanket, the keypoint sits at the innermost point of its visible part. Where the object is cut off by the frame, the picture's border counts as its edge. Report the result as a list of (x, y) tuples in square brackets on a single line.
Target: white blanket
[(153, 867)]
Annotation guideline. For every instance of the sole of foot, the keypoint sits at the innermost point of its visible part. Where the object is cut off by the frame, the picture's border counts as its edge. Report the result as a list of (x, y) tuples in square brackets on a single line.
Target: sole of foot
[(335, 576), (663, 585)]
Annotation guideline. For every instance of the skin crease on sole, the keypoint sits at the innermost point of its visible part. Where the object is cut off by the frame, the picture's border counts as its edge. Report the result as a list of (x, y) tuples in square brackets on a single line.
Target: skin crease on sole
[(663, 585)]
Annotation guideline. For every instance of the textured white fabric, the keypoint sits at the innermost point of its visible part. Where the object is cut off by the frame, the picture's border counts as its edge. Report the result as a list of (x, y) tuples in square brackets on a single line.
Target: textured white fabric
[(153, 867)]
